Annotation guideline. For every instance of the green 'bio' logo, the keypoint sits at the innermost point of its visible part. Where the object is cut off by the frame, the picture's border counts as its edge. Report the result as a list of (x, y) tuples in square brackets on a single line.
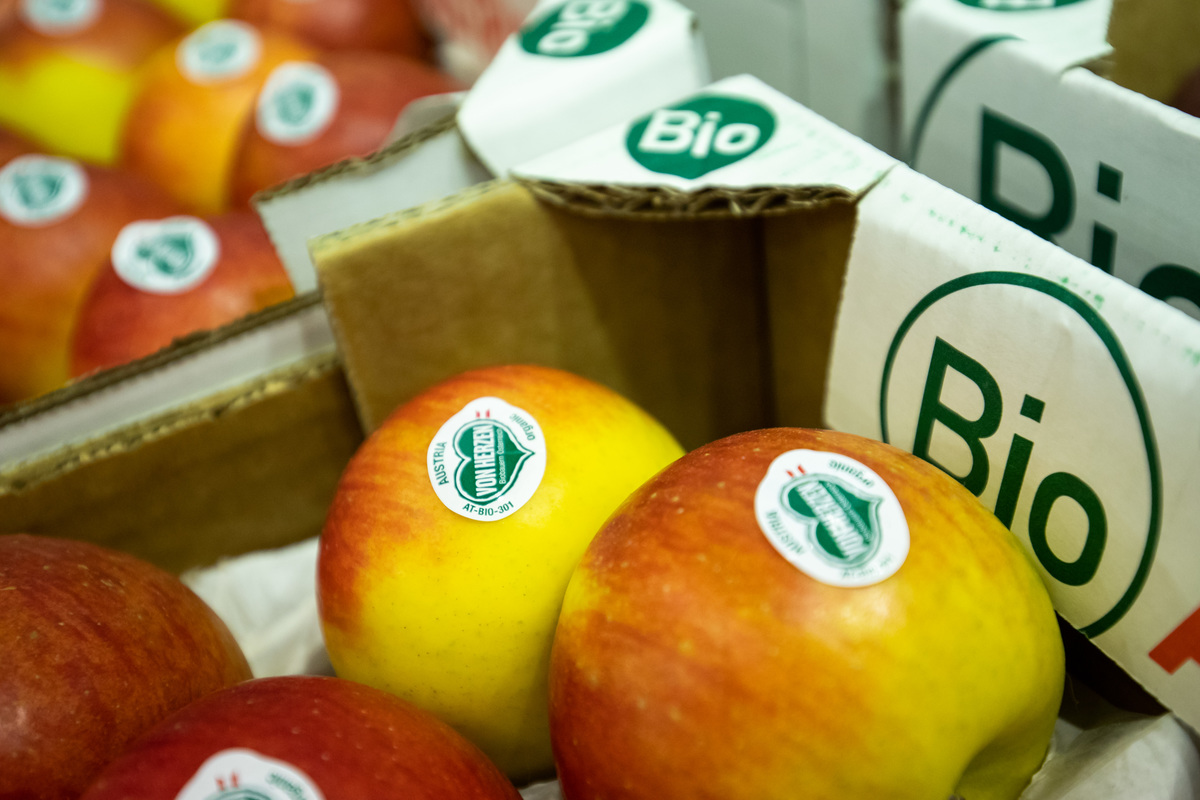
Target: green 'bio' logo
[(491, 460), (585, 28), (1017, 5), (701, 135), (843, 524)]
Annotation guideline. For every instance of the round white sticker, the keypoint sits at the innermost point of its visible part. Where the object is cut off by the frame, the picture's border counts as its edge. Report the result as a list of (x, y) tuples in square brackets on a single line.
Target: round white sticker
[(297, 102), (239, 774), (167, 256), (59, 17), (40, 190), (832, 517), (487, 460), (221, 50)]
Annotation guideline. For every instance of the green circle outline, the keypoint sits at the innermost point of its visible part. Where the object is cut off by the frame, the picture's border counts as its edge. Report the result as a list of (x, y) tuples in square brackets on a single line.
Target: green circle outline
[(1109, 339), (1035, 9)]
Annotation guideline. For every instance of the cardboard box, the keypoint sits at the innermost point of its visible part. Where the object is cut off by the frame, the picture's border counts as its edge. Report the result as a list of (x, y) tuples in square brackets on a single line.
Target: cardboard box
[(1009, 103)]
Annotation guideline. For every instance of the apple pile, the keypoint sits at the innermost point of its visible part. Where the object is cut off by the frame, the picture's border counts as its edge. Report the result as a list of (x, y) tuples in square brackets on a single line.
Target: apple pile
[(98, 647), (146, 111)]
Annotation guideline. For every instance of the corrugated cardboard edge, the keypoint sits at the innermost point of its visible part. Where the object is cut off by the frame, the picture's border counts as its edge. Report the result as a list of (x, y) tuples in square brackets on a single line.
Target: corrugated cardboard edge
[(181, 348), (29, 474), (379, 159)]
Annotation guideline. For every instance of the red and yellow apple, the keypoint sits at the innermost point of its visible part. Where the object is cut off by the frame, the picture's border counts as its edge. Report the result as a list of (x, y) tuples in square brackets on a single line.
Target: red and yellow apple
[(314, 113), (195, 100), (453, 533), (793, 613), (58, 221), (194, 13), (387, 25), (69, 70), (167, 278), (318, 737), (99, 646)]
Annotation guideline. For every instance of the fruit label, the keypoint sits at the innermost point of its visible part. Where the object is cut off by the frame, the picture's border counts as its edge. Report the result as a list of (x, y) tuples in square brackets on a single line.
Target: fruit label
[(167, 256), (221, 50), (239, 774), (297, 103), (585, 28), (698, 136), (832, 517), (487, 460), (59, 17), (40, 190)]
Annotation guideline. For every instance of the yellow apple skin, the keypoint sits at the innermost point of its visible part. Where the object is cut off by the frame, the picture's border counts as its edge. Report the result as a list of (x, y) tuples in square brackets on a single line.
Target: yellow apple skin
[(457, 615), (184, 135), (692, 660), (70, 93), (194, 13)]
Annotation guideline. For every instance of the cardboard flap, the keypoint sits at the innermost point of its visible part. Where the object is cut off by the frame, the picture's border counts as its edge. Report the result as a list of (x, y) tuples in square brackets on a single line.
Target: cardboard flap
[(575, 68), (672, 314), (1156, 45), (422, 166)]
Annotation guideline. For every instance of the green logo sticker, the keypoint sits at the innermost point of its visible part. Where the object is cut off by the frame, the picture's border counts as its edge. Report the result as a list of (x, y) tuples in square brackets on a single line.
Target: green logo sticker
[(166, 256), (297, 103), (585, 28), (700, 135), (1018, 5), (972, 412), (240, 774), (221, 50), (487, 460), (59, 17), (39, 190), (832, 517)]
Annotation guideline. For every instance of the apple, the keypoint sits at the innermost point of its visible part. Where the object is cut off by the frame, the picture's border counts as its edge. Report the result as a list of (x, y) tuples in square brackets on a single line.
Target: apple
[(194, 13), (195, 100), (99, 646), (311, 736), (167, 278), (58, 221), (452, 535), (796, 613), (387, 25), (311, 114), (69, 70)]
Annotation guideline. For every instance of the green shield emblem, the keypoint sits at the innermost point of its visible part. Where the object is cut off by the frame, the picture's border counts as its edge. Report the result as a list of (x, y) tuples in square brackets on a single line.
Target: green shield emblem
[(169, 253), (843, 523), (492, 460)]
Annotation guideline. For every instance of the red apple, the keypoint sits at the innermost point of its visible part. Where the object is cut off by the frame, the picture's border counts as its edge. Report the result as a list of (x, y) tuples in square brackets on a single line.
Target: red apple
[(792, 613), (314, 113), (99, 646), (389, 25), (170, 277), (196, 97), (58, 221), (315, 736), (68, 70)]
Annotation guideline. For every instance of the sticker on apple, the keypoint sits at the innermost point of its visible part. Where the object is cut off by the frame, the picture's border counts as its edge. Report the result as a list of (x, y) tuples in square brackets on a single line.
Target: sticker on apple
[(239, 774), (167, 256), (487, 460), (832, 517), (59, 17), (221, 50), (297, 103), (40, 190)]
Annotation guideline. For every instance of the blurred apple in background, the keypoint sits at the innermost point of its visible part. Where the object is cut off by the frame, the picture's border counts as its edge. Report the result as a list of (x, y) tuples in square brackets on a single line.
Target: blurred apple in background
[(314, 113), (389, 25), (69, 70), (453, 533), (196, 99), (792, 613), (58, 222), (99, 646), (303, 738), (194, 13), (170, 277)]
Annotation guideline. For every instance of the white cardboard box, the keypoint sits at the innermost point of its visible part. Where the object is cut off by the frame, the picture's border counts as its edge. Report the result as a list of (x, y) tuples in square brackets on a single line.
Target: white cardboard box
[(1002, 102)]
